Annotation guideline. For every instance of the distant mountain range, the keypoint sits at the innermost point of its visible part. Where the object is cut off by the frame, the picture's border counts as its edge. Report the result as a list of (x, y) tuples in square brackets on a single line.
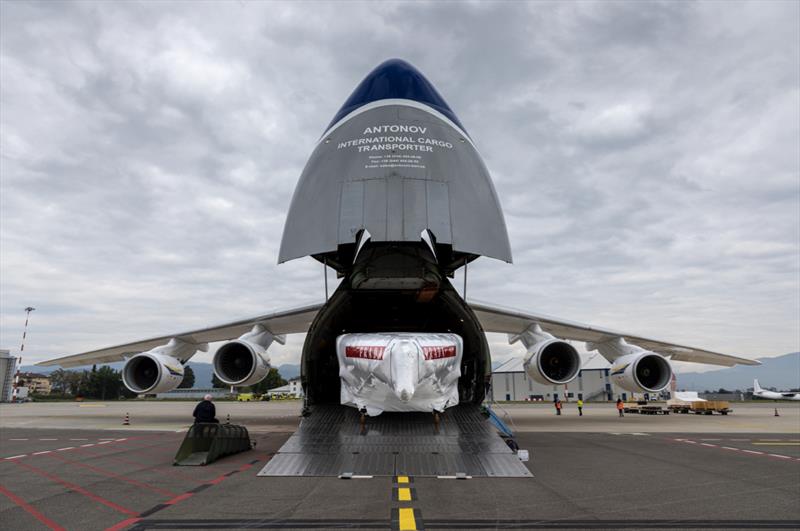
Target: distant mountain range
[(782, 373)]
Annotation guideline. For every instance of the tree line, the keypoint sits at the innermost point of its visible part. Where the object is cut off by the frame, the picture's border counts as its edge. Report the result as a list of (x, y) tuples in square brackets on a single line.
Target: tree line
[(104, 383)]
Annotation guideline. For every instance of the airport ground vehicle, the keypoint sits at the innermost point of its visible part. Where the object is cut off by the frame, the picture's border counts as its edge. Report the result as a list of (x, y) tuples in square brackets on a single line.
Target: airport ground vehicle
[(703, 407), (645, 408)]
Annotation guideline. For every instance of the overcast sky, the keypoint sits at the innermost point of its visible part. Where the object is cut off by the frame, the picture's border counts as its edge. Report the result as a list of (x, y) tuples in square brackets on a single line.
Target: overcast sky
[(646, 155)]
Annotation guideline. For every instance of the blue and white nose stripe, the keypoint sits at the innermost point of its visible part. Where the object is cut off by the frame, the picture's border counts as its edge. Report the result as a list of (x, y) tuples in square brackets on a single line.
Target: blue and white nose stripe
[(398, 80)]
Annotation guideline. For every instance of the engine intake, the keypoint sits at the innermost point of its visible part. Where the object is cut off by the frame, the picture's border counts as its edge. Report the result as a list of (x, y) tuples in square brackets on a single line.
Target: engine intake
[(244, 361), (549, 360), (642, 372), (553, 362), (160, 369), (558, 362), (152, 373), (241, 363), (652, 372)]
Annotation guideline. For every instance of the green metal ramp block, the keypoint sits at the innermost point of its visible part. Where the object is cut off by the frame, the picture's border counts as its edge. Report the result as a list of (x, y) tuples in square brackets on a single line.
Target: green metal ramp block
[(205, 443)]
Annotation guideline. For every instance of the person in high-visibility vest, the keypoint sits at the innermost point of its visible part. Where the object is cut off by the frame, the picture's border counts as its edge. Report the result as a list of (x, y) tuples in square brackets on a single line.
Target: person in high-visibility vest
[(558, 407), (580, 407), (620, 407)]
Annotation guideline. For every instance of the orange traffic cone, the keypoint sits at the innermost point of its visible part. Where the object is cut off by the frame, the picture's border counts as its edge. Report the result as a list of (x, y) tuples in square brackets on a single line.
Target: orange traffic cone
[(127, 420), (228, 420)]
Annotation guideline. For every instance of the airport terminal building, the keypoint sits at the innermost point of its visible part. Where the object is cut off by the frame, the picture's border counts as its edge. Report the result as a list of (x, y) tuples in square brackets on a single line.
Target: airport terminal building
[(511, 382)]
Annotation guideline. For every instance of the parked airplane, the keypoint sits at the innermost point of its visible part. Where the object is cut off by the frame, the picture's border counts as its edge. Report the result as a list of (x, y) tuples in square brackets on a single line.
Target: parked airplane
[(396, 198), (772, 395)]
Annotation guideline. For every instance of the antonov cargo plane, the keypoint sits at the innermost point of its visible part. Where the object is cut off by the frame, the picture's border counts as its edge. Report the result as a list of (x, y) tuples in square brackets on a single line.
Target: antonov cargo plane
[(772, 395), (396, 198)]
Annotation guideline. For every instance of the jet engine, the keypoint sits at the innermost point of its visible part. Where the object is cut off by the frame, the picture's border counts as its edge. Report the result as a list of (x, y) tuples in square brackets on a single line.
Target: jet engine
[(549, 361), (645, 372), (634, 368), (244, 361), (159, 370)]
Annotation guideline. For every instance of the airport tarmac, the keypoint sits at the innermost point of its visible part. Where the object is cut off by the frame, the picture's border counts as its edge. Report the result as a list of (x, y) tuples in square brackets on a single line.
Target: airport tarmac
[(68, 466)]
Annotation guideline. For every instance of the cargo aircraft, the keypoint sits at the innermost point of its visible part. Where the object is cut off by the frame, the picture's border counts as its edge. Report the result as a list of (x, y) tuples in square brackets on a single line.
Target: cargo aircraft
[(773, 395), (395, 198)]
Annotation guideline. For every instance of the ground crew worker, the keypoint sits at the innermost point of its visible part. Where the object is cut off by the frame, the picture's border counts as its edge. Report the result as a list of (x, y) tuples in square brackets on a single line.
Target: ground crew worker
[(580, 407), (620, 407), (558, 407), (205, 411)]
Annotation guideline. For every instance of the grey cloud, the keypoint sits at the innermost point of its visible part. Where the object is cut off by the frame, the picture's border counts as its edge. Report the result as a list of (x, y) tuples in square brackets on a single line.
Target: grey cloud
[(646, 156)]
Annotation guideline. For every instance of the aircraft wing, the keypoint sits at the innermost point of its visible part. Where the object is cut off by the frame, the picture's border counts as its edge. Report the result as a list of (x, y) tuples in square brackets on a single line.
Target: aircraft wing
[(292, 321), (505, 320)]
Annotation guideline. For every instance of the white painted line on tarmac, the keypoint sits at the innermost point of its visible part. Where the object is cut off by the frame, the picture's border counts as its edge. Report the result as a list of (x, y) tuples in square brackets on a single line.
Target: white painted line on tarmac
[(18, 439), (106, 439), (40, 453), (709, 445), (645, 434), (16, 457), (710, 439), (79, 439), (729, 448), (120, 440), (781, 456), (690, 442), (104, 442), (67, 448), (48, 439), (87, 445), (753, 452)]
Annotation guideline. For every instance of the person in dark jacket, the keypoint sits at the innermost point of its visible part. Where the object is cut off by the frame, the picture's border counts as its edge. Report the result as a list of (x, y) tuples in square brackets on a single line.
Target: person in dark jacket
[(205, 411)]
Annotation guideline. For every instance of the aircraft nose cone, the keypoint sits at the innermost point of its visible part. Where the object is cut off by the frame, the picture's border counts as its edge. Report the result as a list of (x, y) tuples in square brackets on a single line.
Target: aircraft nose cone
[(395, 79)]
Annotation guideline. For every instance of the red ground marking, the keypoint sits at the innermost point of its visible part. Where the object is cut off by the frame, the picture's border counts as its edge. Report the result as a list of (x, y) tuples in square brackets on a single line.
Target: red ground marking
[(30, 510), (130, 521), (77, 488), (110, 474), (180, 498), (123, 524), (171, 472)]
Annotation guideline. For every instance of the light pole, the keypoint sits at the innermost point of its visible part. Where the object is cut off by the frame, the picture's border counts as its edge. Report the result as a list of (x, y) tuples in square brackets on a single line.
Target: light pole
[(28, 311)]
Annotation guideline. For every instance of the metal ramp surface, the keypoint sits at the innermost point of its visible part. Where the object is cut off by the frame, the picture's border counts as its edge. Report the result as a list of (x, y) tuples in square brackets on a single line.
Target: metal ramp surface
[(330, 442)]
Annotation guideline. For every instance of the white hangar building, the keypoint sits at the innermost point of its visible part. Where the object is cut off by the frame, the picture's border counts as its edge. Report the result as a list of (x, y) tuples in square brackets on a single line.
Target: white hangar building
[(511, 382)]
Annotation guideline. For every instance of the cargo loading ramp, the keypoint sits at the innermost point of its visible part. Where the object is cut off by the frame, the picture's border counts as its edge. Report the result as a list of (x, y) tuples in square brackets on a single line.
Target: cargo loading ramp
[(331, 443)]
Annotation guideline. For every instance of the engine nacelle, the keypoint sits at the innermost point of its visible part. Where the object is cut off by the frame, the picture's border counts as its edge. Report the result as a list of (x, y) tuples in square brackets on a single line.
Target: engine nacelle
[(642, 372), (244, 361), (150, 372), (634, 368), (161, 369), (549, 360)]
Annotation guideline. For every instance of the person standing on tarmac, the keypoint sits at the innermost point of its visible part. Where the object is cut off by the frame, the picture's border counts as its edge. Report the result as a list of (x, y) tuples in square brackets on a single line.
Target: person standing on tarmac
[(620, 407), (580, 407), (558, 407), (205, 411)]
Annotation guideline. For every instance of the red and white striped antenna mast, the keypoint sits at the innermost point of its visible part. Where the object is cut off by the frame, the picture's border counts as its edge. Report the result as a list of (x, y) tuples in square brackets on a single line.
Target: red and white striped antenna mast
[(28, 311)]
